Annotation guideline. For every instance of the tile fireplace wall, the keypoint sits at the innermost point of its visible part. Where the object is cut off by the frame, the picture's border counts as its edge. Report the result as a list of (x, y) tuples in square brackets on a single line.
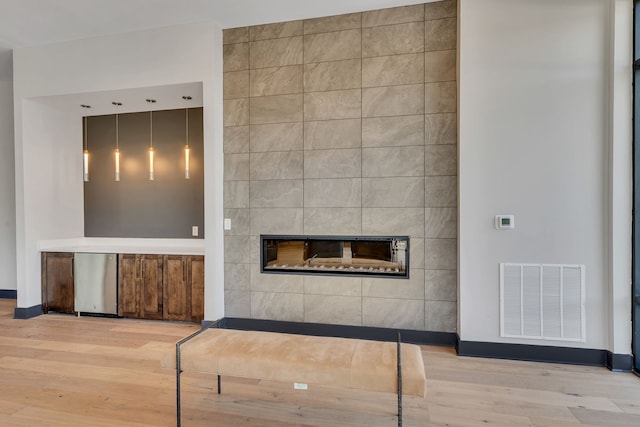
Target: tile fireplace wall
[(344, 125)]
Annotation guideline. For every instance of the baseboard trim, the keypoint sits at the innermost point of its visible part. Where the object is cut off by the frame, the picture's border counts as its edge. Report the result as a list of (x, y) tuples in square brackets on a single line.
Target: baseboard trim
[(342, 331), (619, 362), (533, 353), (27, 312), (8, 294)]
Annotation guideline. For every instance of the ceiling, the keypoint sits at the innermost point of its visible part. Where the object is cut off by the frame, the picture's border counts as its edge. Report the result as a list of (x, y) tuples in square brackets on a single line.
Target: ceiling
[(26, 23), (37, 22)]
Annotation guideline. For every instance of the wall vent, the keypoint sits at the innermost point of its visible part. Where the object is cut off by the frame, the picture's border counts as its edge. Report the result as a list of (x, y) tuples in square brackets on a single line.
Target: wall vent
[(542, 301)]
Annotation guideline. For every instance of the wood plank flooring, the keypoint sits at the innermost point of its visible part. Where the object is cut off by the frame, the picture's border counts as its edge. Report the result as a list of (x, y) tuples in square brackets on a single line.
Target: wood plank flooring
[(60, 370)]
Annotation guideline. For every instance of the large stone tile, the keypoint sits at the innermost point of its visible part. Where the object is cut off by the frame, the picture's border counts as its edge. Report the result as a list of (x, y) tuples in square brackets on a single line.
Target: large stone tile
[(440, 316), (440, 66), (276, 165), (393, 131), (334, 75), (441, 254), (288, 283), (327, 134), (237, 303), (440, 160), (236, 112), (236, 249), (394, 15), (440, 9), (332, 23), (254, 250), (416, 253), (276, 81), (402, 100), (277, 306), (236, 167), (235, 35), (275, 52), (235, 57), (440, 97), (236, 194), (393, 70), (332, 163), (283, 193), (276, 221), (276, 109), (441, 129), (393, 39), (440, 34), (276, 137), (441, 285), (332, 309), (275, 31), (332, 46), (412, 288), (332, 221), (405, 192), (441, 223), (333, 285), (236, 84), (393, 313), (237, 276), (393, 161), (236, 139), (441, 192), (338, 104), (393, 222), (333, 193), (240, 222)]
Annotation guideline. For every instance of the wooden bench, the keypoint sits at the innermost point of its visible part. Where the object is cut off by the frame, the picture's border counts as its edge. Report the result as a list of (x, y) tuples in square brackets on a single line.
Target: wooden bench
[(301, 359)]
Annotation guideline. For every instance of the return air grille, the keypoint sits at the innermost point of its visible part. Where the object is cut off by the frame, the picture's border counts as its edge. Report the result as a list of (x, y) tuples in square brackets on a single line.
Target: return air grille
[(542, 301)]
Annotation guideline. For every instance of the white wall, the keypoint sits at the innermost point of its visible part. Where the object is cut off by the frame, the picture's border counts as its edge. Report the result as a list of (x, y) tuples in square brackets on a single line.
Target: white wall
[(535, 141), (48, 155), (7, 190)]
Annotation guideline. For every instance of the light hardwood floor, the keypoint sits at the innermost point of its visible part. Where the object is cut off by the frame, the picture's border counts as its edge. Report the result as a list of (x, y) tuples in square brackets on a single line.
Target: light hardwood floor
[(59, 370)]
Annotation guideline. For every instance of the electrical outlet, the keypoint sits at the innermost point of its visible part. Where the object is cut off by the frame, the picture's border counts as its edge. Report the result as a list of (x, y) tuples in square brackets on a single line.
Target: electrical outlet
[(227, 223), (300, 386), (194, 230)]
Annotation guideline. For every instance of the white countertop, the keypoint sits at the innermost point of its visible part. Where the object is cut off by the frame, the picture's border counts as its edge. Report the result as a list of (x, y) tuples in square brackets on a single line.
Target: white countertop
[(124, 246)]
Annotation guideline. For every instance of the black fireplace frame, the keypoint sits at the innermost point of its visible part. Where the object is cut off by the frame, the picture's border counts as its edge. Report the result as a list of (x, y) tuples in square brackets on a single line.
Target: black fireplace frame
[(264, 255)]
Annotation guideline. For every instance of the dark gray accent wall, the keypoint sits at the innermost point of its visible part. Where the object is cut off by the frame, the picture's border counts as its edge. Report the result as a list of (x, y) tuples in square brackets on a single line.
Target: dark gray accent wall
[(167, 207)]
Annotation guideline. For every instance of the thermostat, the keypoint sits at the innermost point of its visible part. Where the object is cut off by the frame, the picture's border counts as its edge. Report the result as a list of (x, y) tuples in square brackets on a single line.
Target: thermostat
[(505, 222)]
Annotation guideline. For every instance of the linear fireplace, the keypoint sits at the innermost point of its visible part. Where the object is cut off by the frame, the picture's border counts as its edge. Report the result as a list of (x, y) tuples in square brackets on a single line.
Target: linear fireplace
[(379, 256)]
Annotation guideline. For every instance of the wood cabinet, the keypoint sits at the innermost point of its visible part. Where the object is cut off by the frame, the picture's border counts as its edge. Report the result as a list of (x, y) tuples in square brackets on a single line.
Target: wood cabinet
[(169, 287), (57, 282), (183, 288), (140, 293)]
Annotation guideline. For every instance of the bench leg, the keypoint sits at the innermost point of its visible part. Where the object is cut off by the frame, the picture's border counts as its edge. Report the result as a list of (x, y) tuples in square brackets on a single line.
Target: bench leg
[(178, 372), (218, 384), (399, 354)]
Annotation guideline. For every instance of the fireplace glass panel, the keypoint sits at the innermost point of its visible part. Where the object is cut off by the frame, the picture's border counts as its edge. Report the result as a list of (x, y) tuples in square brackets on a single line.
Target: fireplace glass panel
[(386, 256)]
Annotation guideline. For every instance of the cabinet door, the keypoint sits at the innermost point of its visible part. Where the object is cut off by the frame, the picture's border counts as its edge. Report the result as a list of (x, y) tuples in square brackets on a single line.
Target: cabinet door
[(57, 282), (128, 286), (150, 279), (197, 288), (177, 292)]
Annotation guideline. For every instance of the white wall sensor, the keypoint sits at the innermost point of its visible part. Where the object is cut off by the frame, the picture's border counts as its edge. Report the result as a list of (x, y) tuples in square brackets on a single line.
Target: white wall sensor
[(505, 222)]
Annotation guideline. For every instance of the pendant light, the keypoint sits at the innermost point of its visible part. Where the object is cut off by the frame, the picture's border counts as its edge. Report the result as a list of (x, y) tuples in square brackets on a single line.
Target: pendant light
[(187, 149), (117, 151), (85, 152), (151, 153)]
